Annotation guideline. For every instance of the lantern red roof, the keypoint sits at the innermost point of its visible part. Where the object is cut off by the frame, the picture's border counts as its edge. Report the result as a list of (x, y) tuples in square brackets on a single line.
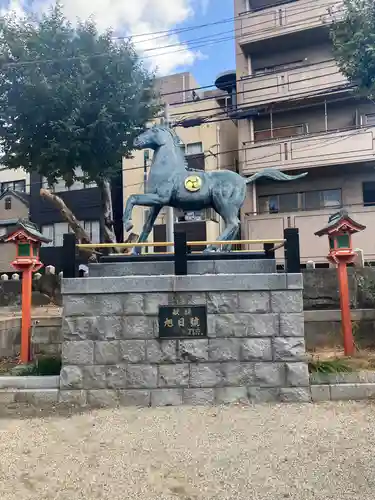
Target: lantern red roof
[(340, 222)]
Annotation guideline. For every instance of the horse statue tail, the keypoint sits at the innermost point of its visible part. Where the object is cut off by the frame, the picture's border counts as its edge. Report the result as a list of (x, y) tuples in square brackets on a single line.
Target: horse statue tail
[(274, 175)]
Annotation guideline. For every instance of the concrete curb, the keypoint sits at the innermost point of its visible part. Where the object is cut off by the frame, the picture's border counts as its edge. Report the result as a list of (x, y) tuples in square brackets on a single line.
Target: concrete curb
[(30, 382)]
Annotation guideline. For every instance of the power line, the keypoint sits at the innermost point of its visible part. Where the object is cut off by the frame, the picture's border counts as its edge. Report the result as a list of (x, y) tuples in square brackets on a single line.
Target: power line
[(298, 23)]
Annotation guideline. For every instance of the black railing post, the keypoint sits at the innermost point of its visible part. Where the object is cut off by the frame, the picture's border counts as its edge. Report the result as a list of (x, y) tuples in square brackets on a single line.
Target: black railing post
[(180, 253), (69, 261), (292, 252), (269, 250)]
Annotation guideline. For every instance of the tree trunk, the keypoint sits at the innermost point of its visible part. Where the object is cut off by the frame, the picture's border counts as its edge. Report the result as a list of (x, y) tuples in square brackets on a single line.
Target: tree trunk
[(70, 218), (107, 213)]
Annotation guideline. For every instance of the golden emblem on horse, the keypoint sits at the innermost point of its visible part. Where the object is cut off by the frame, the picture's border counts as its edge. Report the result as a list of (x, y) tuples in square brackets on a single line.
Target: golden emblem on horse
[(193, 183)]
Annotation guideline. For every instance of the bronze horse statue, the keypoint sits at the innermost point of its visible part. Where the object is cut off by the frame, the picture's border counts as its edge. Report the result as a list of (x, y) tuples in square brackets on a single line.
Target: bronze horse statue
[(171, 183)]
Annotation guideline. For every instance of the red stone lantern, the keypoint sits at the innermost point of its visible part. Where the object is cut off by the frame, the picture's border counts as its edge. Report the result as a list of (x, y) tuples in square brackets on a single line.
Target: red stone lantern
[(28, 240), (339, 231)]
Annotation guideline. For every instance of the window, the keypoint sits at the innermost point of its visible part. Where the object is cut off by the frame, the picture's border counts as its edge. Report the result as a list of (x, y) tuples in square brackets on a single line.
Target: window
[(8, 203), (194, 148), (13, 186), (370, 119), (281, 132), (47, 231), (368, 190), (60, 228), (60, 185), (92, 227), (292, 202)]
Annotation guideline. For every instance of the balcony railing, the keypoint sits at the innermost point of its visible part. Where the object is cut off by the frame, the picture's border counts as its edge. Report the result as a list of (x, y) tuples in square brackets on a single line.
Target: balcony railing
[(308, 222), (304, 81), (284, 19), (328, 148)]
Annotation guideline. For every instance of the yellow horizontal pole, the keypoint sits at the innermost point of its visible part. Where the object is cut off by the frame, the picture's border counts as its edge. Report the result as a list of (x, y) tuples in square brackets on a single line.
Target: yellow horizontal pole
[(170, 243)]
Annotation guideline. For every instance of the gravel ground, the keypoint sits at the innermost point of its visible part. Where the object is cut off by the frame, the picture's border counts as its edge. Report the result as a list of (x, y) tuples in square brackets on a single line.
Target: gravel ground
[(268, 452)]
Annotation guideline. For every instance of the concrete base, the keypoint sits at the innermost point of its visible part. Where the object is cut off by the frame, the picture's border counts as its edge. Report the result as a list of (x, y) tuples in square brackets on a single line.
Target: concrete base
[(243, 266)]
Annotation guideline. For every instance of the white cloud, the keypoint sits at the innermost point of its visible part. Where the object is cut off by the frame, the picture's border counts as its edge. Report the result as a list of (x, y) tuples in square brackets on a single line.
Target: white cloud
[(134, 17)]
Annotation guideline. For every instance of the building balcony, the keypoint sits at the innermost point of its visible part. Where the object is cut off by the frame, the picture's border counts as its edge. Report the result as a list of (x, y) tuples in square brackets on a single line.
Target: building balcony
[(308, 222), (340, 147), (285, 19), (298, 82)]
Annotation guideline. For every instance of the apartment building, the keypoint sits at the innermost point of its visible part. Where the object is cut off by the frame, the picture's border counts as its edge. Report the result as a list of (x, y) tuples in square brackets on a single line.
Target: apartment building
[(301, 115), (209, 146)]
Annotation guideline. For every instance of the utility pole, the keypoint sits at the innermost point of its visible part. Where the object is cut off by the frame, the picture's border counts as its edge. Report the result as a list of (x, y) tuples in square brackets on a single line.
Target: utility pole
[(169, 225)]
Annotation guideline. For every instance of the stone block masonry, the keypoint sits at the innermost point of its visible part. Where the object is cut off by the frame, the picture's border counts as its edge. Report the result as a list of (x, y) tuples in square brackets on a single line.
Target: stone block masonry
[(254, 350)]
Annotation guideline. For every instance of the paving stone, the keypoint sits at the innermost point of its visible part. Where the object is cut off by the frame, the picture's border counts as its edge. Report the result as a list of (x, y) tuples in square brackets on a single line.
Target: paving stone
[(297, 374), (102, 398), (73, 397), (320, 393), (237, 374), (166, 397), (269, 374), (139, 376), (243, 325), (228, 395), (205, 375), (354, 392), (71, 377), (135, 397), (173, 375), (117, 377), (289, 348), (256, 349), (224, 349), (94, 377), (161, 351), (254, 302), (93, 305), (152, 301), (133, 304), (93, 328), (287, 301), (37, 396), (139, 327), (263, 395), (107, 352), (197, 397), (193, 350), (222, 302), (295, 395), (78, 353), (187, 298), (292, 325), (133, 351)]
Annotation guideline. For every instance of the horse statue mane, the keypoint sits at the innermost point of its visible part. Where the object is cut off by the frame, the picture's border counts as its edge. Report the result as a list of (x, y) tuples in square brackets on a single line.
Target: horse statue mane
[(176, 140)]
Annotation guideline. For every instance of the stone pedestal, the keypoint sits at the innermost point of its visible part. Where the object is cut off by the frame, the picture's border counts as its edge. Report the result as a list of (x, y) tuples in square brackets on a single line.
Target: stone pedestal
[(255, 349)]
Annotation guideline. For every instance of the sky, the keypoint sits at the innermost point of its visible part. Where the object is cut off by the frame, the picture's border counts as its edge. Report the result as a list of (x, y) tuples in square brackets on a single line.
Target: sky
[(201, 51)]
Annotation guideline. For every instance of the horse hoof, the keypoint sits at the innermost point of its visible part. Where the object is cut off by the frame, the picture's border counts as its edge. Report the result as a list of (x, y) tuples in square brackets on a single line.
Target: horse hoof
[(128, 226), (209, 250)]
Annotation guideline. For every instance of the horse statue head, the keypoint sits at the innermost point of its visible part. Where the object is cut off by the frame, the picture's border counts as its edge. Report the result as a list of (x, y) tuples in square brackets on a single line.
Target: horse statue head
[(156, 136)]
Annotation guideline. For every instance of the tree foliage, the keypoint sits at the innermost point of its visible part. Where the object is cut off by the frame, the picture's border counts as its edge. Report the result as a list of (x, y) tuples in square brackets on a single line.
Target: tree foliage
[(69, 97), (353, 36)]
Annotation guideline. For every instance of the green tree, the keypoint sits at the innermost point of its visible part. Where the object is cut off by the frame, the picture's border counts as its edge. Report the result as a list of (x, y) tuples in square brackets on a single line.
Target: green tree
[(353, 36), (70, 97)]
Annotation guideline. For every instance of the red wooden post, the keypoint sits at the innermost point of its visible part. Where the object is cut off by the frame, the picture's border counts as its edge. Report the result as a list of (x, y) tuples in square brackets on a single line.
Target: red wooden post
[(345, 309), (26, 315)]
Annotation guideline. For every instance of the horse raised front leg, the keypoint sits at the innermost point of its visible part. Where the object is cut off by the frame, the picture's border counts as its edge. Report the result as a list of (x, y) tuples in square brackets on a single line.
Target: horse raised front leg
[(151, 218), (146, 200)]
